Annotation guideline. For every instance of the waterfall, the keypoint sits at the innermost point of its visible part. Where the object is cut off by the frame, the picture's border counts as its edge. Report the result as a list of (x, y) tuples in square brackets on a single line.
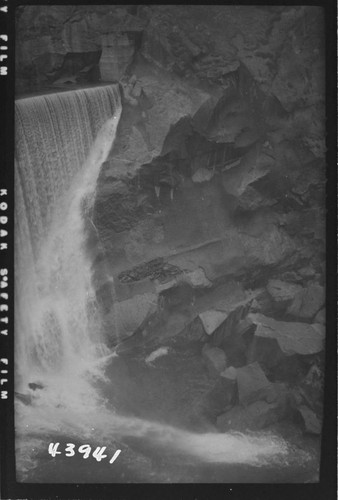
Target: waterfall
[(61, 142), (56, 168), (54, 134)]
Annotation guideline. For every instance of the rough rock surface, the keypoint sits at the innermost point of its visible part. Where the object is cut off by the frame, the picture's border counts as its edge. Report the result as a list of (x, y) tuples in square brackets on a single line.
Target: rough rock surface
[(215, 359), (293, 338), (252, 383)]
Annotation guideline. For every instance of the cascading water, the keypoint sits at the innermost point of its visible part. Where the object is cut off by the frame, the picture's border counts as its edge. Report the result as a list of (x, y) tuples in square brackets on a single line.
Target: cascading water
[(57, 334), (57, 340), (57, 324)]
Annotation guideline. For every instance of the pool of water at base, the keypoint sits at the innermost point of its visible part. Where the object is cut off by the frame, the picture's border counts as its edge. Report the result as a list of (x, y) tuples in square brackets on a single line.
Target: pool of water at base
[(169, 393), (139, 462)]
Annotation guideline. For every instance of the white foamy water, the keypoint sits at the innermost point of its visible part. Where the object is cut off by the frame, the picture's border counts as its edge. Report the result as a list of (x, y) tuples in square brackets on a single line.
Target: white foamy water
[(57, 165), (95, 424), (61, 143)]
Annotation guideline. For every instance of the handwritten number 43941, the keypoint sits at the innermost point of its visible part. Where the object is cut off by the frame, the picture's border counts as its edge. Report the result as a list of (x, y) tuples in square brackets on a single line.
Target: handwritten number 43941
[(84, 449)]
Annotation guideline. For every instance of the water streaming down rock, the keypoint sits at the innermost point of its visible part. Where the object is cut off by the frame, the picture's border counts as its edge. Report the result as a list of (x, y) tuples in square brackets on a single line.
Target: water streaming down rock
[(57, 331), (57, 165)]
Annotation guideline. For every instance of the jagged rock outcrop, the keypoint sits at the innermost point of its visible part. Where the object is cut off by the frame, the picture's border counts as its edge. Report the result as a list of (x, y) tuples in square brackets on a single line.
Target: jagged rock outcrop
[(292, 338)]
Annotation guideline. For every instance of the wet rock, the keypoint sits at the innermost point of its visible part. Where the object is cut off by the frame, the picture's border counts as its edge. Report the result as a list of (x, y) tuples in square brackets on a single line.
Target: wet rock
[(215, 359), (212, 319), (292, 338), (281, 291), (308, 302), (252, 383), (312, 424), (258, 415)]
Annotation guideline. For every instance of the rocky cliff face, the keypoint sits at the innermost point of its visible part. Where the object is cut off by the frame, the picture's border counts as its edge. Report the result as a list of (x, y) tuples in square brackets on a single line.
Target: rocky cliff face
[(210, 211)]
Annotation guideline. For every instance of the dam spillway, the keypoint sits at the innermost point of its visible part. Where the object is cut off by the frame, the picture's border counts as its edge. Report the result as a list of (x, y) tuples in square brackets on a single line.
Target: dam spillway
[(55, 303)]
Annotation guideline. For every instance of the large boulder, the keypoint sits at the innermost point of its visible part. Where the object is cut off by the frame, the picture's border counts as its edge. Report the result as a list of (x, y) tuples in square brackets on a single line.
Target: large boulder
[(292, 338), (252, 384)]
